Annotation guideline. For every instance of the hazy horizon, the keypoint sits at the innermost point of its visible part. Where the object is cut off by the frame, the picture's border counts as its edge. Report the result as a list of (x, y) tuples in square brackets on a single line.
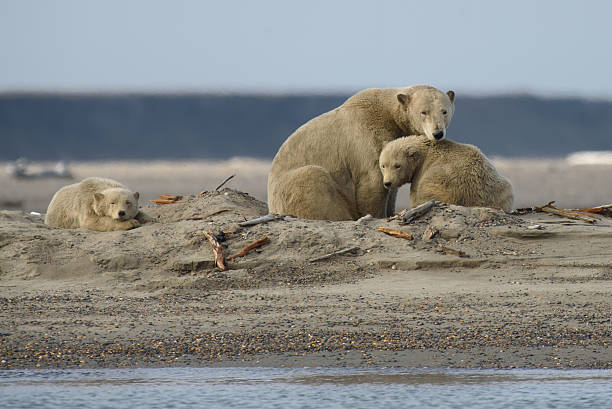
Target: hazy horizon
[(481, 48)]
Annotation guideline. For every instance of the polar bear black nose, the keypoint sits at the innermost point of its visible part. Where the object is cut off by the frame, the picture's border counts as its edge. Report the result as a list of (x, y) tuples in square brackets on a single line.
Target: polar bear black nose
[(121, 213), (387, 184), (439, 135)]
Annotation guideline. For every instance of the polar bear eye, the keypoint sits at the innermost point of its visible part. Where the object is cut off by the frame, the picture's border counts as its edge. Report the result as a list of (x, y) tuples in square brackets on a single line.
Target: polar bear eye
[(444, 112), (397, 166), (382, 166), (424, 113)]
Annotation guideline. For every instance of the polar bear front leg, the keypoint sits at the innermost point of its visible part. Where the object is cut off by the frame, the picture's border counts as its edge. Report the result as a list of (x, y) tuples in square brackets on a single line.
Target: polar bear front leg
[(104, 223), (143, 218)]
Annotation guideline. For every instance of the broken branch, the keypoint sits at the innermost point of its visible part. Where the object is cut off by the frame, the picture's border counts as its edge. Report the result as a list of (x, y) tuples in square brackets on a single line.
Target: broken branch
[(605, 210), (170, 197), (166, 199), (250, 247), (429, 233), (163, 201), (217, 250), (335, 253), (549, 208), (452, 252), (224, 182), (396, 233), (415, 213), (263, 219)]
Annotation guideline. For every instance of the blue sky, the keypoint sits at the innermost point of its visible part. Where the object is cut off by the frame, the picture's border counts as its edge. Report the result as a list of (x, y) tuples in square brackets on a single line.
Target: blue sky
[(544, 47)]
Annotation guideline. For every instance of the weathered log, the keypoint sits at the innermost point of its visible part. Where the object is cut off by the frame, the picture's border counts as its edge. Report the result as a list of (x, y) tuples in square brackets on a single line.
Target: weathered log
[(217, 250), (452, 252), (549, 208), (250, 247), (166, 199), (415, 213), (605, 210), (163, 201), (170, 197), (429, 233), (396, 233), (335, 253), (263, 219)]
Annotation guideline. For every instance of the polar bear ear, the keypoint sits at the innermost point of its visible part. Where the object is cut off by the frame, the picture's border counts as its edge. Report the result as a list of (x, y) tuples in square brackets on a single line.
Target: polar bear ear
[(98, 197), (136, 195), (403, 98), (451, 95)]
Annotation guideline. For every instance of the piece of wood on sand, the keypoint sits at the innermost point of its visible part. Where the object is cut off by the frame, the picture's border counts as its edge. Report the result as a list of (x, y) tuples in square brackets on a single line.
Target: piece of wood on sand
[(335, 253), (429, 233), (409, 216), (250, 247), (263, 219), (452, 252), (216, 249), (549, 208), (605, 210), (167, 199), (396, 233)]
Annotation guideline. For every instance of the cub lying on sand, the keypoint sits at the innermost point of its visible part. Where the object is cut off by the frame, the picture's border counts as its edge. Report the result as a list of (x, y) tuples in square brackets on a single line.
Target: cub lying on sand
[(328, 168), (448, 171), (95, 204)]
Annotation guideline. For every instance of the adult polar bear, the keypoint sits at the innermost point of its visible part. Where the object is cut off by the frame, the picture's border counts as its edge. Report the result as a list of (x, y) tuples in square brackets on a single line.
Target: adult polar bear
[(328, 168)]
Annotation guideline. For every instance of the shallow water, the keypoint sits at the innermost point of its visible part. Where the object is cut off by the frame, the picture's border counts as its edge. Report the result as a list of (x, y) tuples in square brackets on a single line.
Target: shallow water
[(305, 388)]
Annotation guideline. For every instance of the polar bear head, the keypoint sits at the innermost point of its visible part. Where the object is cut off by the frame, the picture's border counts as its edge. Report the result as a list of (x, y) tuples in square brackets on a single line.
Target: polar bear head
[(426, 111), (117, 203), (400, 159)]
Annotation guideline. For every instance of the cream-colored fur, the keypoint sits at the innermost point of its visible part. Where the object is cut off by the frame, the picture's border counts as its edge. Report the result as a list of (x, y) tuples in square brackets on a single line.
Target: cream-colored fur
[(448, 171), (95, 204), (328, 168)]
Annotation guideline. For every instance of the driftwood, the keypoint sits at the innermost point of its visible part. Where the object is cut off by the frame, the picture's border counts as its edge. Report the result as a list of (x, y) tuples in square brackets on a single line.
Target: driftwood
[(217, 250), (429, 233), (396, 233), (408, 216), (570, 214), (250, 247), (335, 253), (224, 182), (166, 199), (452, 252), (263, 219), (605, 210)]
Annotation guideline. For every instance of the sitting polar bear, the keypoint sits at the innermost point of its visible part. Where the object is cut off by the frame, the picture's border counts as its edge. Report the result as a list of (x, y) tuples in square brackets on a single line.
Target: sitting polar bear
[(95, 204), (447, 171), (328, 168)]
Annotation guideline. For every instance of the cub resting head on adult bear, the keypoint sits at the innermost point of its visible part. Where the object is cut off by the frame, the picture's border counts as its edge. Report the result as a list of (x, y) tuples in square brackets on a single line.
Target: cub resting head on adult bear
[(328, 168), (447, 171)]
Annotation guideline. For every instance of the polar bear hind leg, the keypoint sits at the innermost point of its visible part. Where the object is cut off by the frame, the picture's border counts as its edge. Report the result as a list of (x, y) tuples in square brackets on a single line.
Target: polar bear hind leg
[(310, 192)]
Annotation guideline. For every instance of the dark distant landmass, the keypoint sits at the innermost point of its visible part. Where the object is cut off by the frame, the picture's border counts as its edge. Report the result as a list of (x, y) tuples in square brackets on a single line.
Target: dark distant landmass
[(202, 126)]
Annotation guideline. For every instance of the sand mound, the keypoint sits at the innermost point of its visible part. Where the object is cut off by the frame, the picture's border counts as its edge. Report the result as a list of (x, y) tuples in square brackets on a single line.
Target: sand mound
[(174, 255)]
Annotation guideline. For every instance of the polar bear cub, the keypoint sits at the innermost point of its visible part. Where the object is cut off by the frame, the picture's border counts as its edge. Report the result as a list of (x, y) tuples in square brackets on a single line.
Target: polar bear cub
[(96, 204), (448, 171)]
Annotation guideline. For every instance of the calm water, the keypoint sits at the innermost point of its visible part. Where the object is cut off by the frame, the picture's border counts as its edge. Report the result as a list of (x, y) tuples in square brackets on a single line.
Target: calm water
[(305, 388)]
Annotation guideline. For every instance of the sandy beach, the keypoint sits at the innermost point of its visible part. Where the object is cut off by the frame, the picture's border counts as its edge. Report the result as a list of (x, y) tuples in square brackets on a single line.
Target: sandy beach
[(488, 290)]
